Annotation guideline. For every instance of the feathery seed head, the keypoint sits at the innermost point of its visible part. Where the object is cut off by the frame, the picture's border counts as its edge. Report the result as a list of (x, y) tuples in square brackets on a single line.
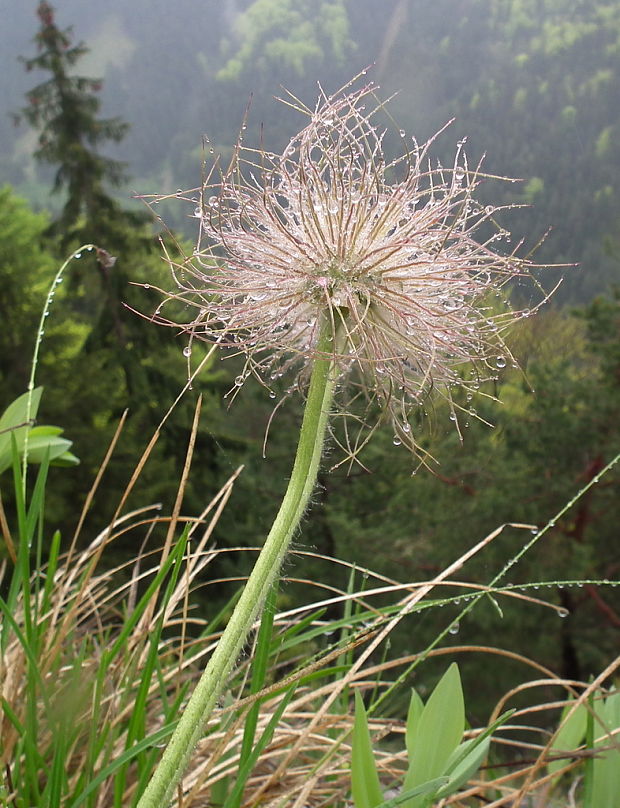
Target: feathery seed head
[(384, 254)]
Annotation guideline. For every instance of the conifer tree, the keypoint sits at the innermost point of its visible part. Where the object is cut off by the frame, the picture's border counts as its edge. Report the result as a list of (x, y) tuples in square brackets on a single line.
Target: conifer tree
[(64, 108)]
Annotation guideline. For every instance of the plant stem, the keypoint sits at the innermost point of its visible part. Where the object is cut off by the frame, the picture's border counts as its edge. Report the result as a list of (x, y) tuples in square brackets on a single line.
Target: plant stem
[(39, 338), (170, 770)]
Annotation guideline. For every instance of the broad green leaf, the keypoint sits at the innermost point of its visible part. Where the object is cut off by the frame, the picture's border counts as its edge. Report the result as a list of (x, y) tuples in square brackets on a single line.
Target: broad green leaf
[(470, 755), (570, 735), (606, 767), (44, 431), (426, 788), (44, 444), (416, 705), (365, 786), (43, 441), (66, 459), (440, 730), (16, 414)]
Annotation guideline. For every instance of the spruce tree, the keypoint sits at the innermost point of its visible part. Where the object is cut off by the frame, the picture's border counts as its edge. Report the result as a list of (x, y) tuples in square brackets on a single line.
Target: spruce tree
[(64, 109)]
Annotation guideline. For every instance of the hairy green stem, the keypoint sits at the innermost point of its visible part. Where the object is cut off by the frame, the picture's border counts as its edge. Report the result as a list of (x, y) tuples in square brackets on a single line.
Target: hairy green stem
[(213, 680)]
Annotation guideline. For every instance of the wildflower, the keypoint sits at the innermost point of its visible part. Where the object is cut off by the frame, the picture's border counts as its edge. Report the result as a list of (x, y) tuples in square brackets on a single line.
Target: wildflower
[(383, 252), (331, 262)]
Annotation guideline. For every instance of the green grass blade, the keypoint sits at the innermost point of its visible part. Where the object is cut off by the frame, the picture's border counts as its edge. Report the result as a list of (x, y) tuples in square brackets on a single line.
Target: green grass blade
[(130, 623), (137, 722), (288, 635), (11, 715), (154, 739), (259, 672), (32, 660), (245, 770), (55, 786), (365, 785), (52, 565)]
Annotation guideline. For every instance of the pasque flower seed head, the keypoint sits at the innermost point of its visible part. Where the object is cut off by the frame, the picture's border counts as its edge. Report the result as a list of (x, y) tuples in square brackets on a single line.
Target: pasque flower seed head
[(386, 255)]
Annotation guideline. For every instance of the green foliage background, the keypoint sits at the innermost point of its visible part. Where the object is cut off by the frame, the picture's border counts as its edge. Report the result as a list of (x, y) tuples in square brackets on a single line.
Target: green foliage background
[(534, 84)]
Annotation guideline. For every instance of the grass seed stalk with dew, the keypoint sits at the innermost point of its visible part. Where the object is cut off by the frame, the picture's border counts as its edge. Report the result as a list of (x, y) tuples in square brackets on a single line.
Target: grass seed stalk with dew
[(315, 262), (386, 251)]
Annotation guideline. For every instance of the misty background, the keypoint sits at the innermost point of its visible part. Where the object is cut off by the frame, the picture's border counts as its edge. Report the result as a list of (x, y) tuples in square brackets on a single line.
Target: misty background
[(533, 84)]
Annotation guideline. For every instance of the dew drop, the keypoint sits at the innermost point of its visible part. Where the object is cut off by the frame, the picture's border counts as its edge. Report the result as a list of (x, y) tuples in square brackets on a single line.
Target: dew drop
[(272, 394), (396, 440), (402, 132), (501, 361), (239, 381), (78, 255), (562, 612), (187, 351), (454, 628), (212, 201), (147, 286)]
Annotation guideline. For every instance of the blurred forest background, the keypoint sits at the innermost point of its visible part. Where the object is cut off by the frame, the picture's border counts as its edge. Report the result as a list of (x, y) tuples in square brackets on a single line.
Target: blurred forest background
[(534, 85)]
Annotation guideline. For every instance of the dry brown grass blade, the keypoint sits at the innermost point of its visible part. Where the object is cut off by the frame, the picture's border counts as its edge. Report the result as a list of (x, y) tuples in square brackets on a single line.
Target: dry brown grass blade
[(93, 489), (95, 620), (6, 534), (407, 604), (176, 510), (588, 691)]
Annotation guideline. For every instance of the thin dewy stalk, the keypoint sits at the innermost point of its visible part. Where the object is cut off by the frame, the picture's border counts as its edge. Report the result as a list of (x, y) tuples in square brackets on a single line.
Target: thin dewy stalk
[(303, 478)]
